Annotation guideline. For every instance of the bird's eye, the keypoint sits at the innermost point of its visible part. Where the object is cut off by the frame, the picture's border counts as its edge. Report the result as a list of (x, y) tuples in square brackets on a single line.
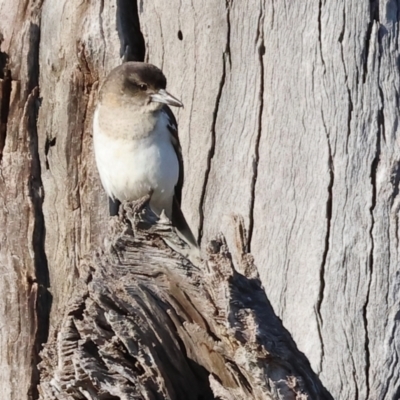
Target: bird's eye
[(143, 87)]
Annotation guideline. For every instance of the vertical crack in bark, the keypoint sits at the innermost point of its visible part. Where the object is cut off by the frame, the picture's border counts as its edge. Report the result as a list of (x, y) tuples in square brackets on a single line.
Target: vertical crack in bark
[(374, 12), (374, 16), (228, 33), (349, 114), (366, 50), (211, 151), (43, 297), (226, 57), (328, 210), (329, 203), (129, 32), (39, 286), (341, 35), (374, 168), (261, 51), (48, 144), (5, 94), (381, 117), (320, 33), (350, 101)]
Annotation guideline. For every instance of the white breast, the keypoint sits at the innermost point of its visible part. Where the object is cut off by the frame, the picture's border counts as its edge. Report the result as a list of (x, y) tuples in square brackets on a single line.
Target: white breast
[(131, 168)]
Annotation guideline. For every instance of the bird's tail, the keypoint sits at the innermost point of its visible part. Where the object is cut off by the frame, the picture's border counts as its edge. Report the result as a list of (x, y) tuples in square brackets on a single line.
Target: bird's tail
[(179, 221)]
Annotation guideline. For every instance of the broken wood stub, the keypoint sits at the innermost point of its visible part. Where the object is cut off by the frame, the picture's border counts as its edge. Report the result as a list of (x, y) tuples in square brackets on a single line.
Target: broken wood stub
[(145, 322)]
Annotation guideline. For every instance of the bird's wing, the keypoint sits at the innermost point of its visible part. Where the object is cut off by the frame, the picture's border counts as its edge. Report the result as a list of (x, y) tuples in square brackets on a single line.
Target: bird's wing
[(178, 219), (173, 129)]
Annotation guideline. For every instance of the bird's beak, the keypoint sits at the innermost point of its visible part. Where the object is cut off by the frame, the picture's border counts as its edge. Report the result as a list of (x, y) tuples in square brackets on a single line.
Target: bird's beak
[(162, 96)]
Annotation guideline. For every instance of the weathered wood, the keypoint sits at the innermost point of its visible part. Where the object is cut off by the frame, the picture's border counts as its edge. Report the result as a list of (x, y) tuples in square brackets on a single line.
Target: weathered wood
[(147, 323), (25, 300), (290, 120), (303, 142)]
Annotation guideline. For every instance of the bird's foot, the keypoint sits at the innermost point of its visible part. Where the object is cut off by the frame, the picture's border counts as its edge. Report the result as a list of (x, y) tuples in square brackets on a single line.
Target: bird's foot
[(140, 204)]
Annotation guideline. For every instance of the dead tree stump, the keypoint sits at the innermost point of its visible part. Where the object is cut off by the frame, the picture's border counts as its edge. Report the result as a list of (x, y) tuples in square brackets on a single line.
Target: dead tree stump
[(145, 322)]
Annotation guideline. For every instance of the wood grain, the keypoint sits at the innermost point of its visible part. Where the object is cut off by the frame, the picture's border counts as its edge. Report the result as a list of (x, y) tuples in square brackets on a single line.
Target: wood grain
[(146, 322), (290, 121)]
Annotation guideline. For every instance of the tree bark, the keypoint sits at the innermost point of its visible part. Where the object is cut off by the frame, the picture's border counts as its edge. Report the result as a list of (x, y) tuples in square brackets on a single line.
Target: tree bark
[(290, 120), (146, 322)]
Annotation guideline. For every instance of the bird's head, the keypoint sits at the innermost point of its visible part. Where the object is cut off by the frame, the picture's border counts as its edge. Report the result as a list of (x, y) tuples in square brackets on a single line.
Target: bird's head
[(138, 84)]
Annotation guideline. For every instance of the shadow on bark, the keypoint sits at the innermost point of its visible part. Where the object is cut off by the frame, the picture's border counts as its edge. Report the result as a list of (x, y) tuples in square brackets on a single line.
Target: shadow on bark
[(39, 296), (5, 93), (130, 35)]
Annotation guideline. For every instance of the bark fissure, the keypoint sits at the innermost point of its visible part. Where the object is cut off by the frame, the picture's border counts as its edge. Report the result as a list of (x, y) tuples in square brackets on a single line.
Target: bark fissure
[(43, 298), (329, 203), (40, 296), (349, 114), (366, 49), (381, 116), (320, 33), (48, 144), (349, 98), (374, 168), (373, 17), (225, 58), (211, 151), (5, 94), (228, 33), (261, 52), (129, 32), (341, 35)]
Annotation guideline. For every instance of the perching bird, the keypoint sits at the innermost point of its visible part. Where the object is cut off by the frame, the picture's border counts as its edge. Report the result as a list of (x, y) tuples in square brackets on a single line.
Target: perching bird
[(136, 141)]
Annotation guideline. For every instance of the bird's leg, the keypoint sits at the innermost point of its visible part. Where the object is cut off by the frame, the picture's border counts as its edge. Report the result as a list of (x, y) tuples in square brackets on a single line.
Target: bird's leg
[(141, 203)]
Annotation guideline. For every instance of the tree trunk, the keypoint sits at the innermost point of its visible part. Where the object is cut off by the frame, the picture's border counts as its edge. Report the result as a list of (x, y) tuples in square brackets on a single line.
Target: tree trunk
[(290, 121)]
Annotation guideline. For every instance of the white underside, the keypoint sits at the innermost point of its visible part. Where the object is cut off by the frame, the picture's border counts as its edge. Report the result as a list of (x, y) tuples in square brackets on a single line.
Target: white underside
[(132, 168)]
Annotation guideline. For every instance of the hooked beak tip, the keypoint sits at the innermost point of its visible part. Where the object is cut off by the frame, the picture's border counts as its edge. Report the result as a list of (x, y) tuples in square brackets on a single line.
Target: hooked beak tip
[(162, 96)]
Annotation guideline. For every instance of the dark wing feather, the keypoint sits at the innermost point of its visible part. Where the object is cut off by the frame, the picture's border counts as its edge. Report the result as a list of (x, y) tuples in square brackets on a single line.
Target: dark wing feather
[(113, 206), (173, 128), (178, 219)]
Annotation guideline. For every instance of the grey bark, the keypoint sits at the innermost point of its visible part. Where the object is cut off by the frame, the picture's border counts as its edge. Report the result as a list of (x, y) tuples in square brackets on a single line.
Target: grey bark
[(290, 120)]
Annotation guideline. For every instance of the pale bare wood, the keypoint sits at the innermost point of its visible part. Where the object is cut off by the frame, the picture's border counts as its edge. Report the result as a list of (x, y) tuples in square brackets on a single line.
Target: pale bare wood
[(323, 214)]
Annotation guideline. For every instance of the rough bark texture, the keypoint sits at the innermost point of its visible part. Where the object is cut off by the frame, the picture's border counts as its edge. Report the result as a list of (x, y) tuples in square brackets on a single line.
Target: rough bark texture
[(290, 120), (147, 323)]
